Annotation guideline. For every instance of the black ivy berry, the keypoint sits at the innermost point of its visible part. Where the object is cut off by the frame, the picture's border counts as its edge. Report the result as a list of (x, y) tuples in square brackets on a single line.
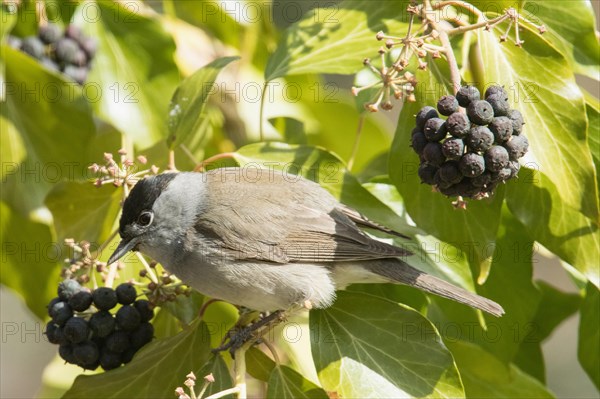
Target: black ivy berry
[(450, 173), (117, 342), (126, 294), (128, 318), (65, 351), (502, 128), (50, 33), (14, 42), (81, 301), (495, 89), (471, 165), (60, 313), (426, 173), (55, 334), (466, 95), (482, 180), (458, 124), (144, 308), (453, 148), (105, 298), (447, 105), (53, 302), (517, 120), (514, 167), (499, 104), (480, 112), (86, 355), (435, 129), (418, 142), (479, 139), (33, 46), (127, 356), (433, 154), (496, 158), (68, 288), (78, 74), (109, 360), (76, 330), (517, 146), (142, 335), (424, 115), (102, 323)]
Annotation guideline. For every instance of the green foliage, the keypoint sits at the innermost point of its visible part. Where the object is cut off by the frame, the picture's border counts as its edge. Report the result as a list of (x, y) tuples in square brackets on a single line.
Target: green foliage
[(151, 93)]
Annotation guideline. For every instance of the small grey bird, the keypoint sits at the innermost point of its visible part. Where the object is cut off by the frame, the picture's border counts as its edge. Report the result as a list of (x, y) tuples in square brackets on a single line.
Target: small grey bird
[(265, 240)]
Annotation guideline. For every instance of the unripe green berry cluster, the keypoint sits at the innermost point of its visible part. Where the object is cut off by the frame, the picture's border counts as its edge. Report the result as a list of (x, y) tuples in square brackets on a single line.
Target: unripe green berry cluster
[(88, 334), (473, 150), (68, 51)]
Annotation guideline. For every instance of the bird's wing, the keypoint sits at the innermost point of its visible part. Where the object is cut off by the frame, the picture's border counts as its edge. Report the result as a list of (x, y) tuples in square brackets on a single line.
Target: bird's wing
[(274, 219)]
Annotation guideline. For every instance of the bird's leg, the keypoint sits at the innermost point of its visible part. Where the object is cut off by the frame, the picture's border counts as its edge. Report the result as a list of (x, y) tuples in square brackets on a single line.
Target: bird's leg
[(252, 332)]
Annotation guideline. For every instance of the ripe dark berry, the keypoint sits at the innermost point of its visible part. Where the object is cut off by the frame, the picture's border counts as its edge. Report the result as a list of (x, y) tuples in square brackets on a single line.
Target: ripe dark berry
[(76, 330), (49, 64), (435, 129), (60, 313), (433, 154), (458, 124), (144, 308), (90, 46), (102, 323), (49, 33), (66, 50), (81, 301), (109, 360), (73, 32), (424, 115), (65, 351), (14, 42), (53, 302), (447, 105), (33, 46), (450, 173), (471, 165), (479, 139), (128, 318), (426, 173), (418, 142), (495, 89), (105, 298), (55, 334), (466, 188), (126, 294), (502, 175), (466, 95), (499, 104), (453, 148), (127, 356), (117, 342), (502, 128), (517, 146), (141, 335), (86, 355), (514, 167), (482, 180), (67, 288), (517, 121), (78, 74), (496, 158), (480, 112)]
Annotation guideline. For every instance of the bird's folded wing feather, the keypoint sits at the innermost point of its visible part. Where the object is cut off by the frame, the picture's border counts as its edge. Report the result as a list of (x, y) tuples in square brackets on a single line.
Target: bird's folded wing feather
[(285, 222)]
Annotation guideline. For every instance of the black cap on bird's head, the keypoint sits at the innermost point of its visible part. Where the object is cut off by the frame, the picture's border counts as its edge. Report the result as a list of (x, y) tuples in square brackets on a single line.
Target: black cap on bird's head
[(137, 212)]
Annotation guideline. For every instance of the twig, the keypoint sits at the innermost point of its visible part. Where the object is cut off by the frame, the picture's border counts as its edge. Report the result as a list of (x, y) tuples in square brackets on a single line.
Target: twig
[(272, 350), (147, 267), (112, 272), (200, 167), (229, 392), (171, 164), (261, 114), (361, 120)]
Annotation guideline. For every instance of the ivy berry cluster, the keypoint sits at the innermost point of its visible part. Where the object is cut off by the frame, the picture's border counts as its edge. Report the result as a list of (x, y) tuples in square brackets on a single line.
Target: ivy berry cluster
[(88, 334), (474, 149), (68, 51)]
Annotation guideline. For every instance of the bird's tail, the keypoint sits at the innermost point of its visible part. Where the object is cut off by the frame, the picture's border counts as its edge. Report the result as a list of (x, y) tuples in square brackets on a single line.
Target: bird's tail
[(399, 271)]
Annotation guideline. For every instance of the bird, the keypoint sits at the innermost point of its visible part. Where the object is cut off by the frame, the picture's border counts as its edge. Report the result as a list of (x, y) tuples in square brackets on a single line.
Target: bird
[(266, 240)]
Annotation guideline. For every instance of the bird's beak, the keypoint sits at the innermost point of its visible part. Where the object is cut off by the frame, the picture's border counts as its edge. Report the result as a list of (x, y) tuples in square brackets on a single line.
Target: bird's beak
[(124, 247)]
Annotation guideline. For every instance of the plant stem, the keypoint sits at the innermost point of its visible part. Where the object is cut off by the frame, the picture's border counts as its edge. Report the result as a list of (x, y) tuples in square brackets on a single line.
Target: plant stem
[(454, 71), (262, 112), (171, 165), (147, 267), (228, 392), (462, 4), (361, 120), (200, 167), (482, 24)]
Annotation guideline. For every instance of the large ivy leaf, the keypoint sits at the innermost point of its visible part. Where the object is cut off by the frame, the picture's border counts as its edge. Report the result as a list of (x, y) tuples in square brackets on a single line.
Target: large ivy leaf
[(367, 347), (50, 120), (592, 109), (553, 109), (29, 259), (484, 376), (571, 28), (472, 231), (285, 383), (536, 202), (189, 100), (335, 39), (589, 334), (155, 371), (83, 211), (218, 368), (133, 74)]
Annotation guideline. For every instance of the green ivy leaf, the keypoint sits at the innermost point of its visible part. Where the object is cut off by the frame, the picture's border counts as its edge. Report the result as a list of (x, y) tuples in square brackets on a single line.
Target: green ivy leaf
[(344, 32), (29, 259), (484, 376), (134, 73), (589, 334), (592, 110), (259, 365), (365, 346), (285, 383), (536, 202), (571, 27), (218, 368), (155, 371), (553, 108), (83, 211), (187, 105)]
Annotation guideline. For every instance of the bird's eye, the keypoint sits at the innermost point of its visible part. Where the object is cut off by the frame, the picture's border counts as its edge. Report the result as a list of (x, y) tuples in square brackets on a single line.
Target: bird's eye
[(145, 218)]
